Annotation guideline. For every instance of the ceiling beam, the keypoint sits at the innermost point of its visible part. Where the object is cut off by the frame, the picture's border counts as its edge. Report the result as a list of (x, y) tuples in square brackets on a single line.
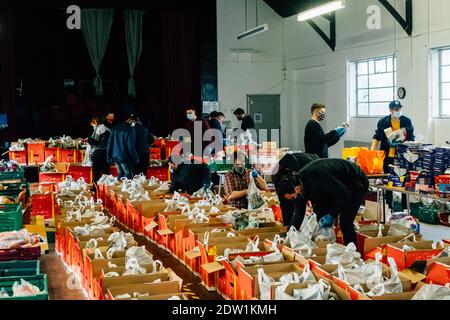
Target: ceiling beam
[(407, 24), (330, 40)]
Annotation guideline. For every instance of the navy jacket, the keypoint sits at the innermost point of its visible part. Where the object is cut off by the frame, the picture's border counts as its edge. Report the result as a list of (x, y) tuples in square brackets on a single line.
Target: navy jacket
[(385, 123), (247, 123), (122, 144), (316, 141), (215, 124), (190, 178), (144, 139)]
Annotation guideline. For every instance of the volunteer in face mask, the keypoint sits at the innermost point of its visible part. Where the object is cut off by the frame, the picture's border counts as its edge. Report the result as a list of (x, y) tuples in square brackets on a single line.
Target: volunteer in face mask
[(394, 121), (196, 138), (335, 188), (99, 143), (287, 165), (216, 121), (237, 182), (316, 141), (189, 178)]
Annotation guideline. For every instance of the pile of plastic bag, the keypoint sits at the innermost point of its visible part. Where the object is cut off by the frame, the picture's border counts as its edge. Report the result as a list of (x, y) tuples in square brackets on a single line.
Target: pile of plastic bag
[(345, 255), (70, 184), (22, 289), (19, 239), (9, 165), (108, 180), (20, 145), (432, 292), (48, 166), (67, 142), (177, 202), (266, 282)]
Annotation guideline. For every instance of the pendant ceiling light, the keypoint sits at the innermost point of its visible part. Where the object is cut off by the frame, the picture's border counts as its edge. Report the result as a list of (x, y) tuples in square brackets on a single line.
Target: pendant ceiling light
[(321, 10)]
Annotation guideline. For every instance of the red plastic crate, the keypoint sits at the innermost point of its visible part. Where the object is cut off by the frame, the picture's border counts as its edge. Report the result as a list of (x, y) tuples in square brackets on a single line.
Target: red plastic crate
[(155, 154), (169, 147), (113, 171), (36, 152), (18, 156), (439, 272), (51, 177), (33, 253), (43, 205), (79, 171), (70, 155), (162, 173), (159, 143), (55, 152)]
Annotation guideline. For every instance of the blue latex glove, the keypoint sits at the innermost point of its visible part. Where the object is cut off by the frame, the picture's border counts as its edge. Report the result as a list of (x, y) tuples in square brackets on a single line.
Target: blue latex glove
[(393, 144), (326, 221), (255, 174), (341, 131)]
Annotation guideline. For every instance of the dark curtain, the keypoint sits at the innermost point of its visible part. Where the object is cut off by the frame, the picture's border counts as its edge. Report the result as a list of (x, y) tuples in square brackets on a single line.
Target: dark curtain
[(7, 71), (180, 64)]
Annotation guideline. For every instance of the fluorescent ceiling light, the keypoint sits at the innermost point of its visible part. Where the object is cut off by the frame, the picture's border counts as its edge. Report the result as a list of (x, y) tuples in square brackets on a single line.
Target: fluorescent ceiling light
[(321, 10), (253, 32)]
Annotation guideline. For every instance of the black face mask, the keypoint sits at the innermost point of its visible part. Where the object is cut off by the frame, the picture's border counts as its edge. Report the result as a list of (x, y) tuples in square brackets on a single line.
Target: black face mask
[(321, 116)]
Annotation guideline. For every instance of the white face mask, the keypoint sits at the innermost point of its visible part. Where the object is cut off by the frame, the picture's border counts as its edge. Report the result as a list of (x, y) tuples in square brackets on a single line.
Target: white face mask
[(397, 114)]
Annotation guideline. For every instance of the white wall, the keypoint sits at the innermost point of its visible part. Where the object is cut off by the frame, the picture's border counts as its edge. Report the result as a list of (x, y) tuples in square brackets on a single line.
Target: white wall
[(304, 50), (240, 74)]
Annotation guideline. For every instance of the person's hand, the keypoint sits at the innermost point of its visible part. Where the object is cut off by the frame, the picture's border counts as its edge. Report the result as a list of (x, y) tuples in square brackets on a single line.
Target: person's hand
[(341, 131), (255, 174), (393, 144), (326, 221)]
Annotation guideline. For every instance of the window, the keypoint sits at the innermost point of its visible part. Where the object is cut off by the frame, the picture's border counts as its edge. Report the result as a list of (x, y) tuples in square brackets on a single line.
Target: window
[(444, 82), (374, 86)]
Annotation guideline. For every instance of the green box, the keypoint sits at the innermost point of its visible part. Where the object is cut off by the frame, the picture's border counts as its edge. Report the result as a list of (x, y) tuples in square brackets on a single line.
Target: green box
[(19, 268), (11, 175), (10, 217), (39, 280)]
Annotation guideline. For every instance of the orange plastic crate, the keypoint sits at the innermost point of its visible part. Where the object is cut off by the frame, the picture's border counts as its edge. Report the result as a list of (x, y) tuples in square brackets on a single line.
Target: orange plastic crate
[(70, 155), (36, 152), (18, 156), (43, 205), (55, 152), (78, 171)]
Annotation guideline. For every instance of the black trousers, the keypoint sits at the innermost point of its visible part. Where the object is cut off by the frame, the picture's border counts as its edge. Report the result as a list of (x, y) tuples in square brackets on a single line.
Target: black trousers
[(99, 164), (348, 215), (143, 164), (389, 194)]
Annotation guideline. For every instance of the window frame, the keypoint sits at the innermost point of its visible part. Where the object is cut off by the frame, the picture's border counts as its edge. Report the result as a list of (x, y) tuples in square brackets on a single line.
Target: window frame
[(356, 88), (441, 82)]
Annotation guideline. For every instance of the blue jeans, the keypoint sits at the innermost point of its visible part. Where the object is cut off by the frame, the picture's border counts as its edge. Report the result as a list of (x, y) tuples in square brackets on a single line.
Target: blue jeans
[(124, 170)]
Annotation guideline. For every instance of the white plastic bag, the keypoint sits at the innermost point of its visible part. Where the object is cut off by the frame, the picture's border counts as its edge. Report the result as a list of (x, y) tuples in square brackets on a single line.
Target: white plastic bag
[(338, 254), (317, 291), (265, 284), (298, 241), (140, 254), (255, 200), (432, 292)]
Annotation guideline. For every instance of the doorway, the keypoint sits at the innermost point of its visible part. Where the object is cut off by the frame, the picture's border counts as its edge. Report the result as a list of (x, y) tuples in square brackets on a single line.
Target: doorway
[(265, 111)]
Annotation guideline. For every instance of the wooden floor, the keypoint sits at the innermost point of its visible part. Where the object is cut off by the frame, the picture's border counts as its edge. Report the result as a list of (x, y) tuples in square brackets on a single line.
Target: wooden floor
[(63, 286)]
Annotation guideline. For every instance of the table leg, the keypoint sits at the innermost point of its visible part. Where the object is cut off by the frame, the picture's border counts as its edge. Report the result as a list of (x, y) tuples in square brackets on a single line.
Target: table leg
[(408, 206), (384, 205)]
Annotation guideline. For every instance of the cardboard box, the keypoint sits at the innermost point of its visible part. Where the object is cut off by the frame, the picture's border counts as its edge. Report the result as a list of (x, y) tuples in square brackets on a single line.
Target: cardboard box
[(160, 297), (404, 259), (339, 292), (248, 277), (171, 283)]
